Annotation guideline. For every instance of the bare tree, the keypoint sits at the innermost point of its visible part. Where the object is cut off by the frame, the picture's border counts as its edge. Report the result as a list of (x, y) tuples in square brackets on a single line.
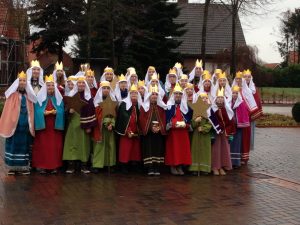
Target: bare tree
[(204, 28), (245, 7)]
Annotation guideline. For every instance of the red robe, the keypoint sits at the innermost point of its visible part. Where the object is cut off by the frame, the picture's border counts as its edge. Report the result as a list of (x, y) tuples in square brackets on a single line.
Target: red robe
[(178, 151), (258, 112), (48, 144), (61, 89), (129, 148), (93, 91)]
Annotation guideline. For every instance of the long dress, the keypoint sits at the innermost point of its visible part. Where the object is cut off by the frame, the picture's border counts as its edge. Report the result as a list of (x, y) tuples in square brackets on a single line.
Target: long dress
[(152, 143), (129, 148), (104, 153), (77, 145), (177, 142), (221, 148), (17, 147), (235, 147), (201, 146), (48, 142)]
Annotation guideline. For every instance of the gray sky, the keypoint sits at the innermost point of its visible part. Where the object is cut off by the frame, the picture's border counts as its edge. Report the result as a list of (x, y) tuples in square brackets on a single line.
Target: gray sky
[(262, 32)]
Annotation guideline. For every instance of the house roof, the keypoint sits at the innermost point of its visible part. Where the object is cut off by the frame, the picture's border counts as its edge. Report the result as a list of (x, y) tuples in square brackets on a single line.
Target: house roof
[(9, 19), (272, 65), (218, 29)]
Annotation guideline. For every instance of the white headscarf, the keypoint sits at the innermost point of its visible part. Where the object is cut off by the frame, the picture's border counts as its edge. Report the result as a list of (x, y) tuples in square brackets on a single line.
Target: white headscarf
[(160, 89), (210, 93), (227, 90), (99, 96), (103, 77), (251, 85), (168, 84), (87, 91), (179, 72), (42, 95), (247, 93), (147, 78), (67, 90), (14, 87), (146, 92), (183, 103), (146, 103), (55, 76), (80, 73), (229, 111), (29, 75), (192, 75), (117, 91), (238, 101), (194, 94), (128, 101), (129, 82)]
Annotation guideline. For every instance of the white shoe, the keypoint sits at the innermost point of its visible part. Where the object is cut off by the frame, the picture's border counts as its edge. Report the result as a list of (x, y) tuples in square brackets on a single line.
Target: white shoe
[(174, 171), (180, 171)]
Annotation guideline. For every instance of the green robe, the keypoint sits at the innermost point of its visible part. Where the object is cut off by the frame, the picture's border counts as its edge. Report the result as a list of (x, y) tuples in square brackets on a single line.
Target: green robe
[(201, 146), (105, 151), (77, 141)]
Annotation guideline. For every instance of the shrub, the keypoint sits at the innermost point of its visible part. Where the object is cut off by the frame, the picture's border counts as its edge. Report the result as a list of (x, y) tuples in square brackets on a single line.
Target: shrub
[(296, 112)]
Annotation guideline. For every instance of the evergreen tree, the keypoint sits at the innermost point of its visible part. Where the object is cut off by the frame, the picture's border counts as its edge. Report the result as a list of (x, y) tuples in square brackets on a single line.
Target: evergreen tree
[(56, 21), (132, 33)]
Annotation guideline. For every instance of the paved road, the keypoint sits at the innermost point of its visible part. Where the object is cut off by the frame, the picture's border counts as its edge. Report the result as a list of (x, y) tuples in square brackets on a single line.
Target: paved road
[(256, 194), (283, 110)]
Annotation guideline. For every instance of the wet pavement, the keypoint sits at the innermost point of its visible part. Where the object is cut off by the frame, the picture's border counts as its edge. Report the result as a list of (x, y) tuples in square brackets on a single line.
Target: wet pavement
[(265, 192)]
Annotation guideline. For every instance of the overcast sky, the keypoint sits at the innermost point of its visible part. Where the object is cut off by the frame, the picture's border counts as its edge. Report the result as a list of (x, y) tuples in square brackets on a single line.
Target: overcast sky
[(263, 32)]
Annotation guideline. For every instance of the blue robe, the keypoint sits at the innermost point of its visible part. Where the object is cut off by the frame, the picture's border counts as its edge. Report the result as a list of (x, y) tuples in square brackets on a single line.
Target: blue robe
[(39, 117), (170, 113), (17, 147)]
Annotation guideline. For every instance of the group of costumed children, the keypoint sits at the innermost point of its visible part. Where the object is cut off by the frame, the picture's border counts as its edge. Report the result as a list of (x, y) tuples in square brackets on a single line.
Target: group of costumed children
[(196, 123)]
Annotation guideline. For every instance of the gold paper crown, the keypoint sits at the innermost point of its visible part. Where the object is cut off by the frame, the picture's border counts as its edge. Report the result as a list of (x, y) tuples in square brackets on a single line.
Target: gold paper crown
[(220, 93), (235, 88), (184, 77), (153, 89), (108, 70), (133, 88), (177, 88), (85, 66), (90, 72), (155, 76), (59, 66), (178, 65), (73, 78), (239, 74), (222, 76), (81, 78), (206, 75), (198, 63), (247, 72), (172, 71), (141, 83), (203, 95), (151, 68), (122, 78), (49, 78), (35, 63), (189, 85), (22, 75), (217, 71), (105, 83)]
